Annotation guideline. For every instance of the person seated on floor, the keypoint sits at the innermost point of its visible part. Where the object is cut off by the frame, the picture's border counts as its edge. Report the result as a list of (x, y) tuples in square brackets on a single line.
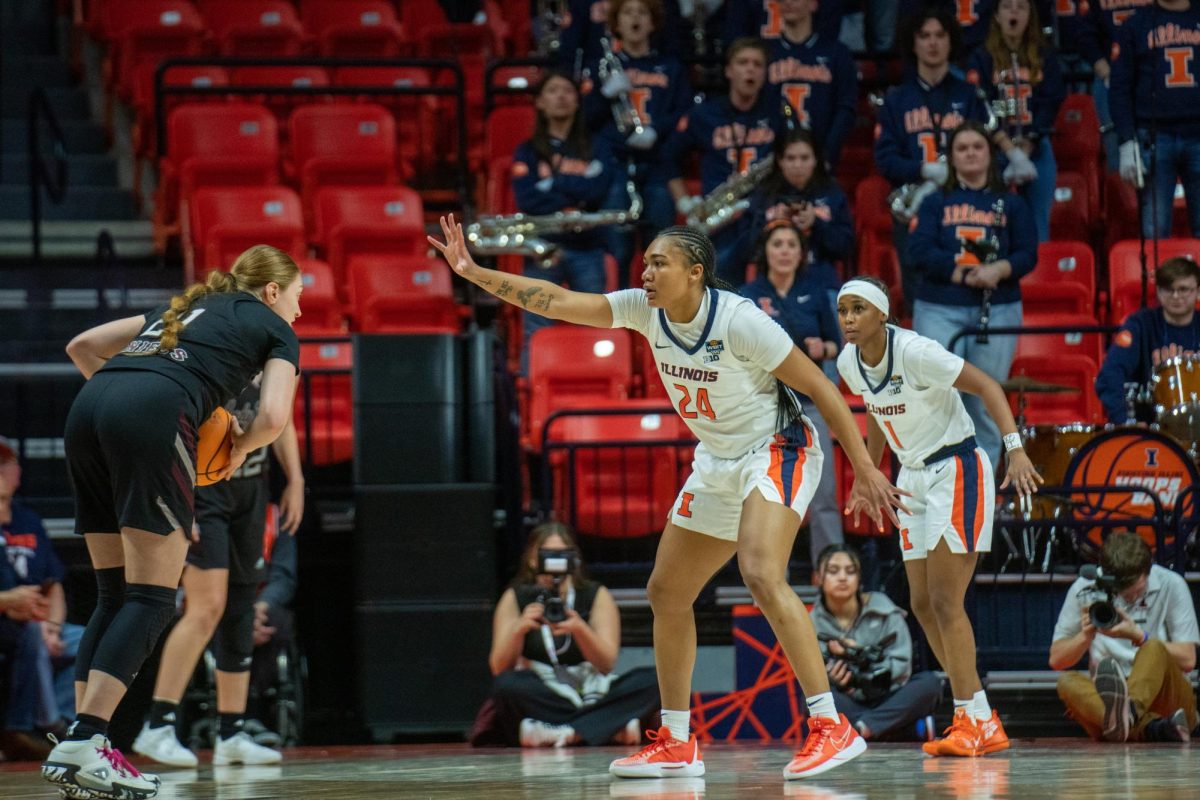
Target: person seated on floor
[(1138, 688), (555, 640), (868, 651)]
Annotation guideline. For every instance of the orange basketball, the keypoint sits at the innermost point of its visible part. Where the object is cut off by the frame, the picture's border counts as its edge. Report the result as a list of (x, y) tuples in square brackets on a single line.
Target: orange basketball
[(214, 446)]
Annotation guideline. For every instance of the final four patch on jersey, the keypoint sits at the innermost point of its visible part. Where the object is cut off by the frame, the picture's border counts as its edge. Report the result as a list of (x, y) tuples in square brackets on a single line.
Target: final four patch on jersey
[(714, 348)]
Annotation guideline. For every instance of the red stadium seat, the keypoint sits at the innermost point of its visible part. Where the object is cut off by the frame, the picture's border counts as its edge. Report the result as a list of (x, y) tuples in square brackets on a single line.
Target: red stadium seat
[(291, 76), (1125, 272), (1070, 218), (1077, 146), (420, 130), (235, 144), (144, 32), (573, 366), (1090, 345), (325, 378), (322, 311), (1063, 282), (618, 491), (402, 294), (253, 27), (844, 475), (507, 127), (349, 221), (1120, 211), (1069, 369), (222, 223), (144, 134), (352, 28), (342, 145)]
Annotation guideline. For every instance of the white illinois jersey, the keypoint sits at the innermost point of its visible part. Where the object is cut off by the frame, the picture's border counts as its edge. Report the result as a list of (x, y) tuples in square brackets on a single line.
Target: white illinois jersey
[(716, 368), (911, 394)]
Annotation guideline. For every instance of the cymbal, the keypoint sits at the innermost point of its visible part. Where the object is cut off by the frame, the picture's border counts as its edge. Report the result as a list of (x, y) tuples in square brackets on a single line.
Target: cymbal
[(1023, 383)]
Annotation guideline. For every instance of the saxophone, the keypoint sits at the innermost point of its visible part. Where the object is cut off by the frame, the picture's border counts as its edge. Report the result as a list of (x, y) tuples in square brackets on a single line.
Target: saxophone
[(521, 234), (729, 199), (624, 111)]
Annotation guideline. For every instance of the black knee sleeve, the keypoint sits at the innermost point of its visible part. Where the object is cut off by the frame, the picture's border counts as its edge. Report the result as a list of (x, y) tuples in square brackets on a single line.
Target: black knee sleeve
[(233, 642), (134, 632), (110, 596)]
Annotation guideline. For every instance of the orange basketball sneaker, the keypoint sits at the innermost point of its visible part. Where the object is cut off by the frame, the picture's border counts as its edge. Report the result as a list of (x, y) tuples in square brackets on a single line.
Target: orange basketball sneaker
[(828, 744), (960, 739), (992, 737), (664, 757)]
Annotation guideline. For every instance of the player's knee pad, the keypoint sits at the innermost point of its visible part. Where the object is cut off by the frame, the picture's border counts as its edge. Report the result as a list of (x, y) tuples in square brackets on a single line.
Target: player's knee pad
[(110, 596), (233, 642), (134, 632)]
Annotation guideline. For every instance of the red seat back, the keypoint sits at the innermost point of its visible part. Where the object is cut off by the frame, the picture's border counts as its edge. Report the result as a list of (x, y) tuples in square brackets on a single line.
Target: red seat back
[(572, 364), (224, 222), (327, 382), (1070, 217), (1090, 345), (253, 27), (342, 145), (1125, 272), (353, 28), (1070, 369), (1064, 281), (367, 219), (402, 294), (321, 310)]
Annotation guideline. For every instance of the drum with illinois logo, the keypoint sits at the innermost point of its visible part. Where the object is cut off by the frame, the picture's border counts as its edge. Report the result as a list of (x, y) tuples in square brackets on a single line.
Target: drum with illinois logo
[(1177, 398), (1133, 457)]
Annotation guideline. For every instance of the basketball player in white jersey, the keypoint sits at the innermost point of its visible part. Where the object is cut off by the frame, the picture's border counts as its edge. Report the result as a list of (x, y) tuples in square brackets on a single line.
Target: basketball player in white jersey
[(725, 365), (910, 386)]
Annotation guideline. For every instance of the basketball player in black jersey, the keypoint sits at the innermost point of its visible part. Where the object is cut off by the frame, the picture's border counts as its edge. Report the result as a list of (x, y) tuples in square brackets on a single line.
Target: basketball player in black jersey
[(131, 455)]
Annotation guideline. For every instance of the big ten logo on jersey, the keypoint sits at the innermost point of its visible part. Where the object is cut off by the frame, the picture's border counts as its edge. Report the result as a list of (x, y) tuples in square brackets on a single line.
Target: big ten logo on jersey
[(713, 348), (895, 384)]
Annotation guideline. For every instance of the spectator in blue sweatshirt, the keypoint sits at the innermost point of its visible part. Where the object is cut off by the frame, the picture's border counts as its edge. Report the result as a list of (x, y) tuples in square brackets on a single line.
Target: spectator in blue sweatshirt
[(816, 76), (658, 89), (764, 18), (1150, 336), (1037, 88), (1154, 92), (1096, 37), (790, 294), (917, 115), (731, 133), (972, 244), (561, 168)]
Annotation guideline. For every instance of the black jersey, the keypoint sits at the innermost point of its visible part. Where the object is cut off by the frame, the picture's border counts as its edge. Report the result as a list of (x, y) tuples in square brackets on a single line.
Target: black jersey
[(226, 340)]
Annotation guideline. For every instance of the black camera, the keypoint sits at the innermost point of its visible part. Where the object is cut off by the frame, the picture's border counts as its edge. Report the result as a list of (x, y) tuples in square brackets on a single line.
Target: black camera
[(558, 564), (1102, 613), (869, 672)]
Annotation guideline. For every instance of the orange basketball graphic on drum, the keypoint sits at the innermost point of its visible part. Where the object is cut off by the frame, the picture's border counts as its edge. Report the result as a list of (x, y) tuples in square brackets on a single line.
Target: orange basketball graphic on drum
[(1135, 458)]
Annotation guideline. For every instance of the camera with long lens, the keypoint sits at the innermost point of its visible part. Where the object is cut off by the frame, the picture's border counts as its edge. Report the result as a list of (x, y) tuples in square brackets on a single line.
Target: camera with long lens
[(559, 565), (869, 672), (1102, 612)]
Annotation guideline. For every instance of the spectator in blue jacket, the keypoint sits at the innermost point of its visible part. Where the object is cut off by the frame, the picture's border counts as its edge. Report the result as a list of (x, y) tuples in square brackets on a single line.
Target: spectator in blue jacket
[(562, 168), (792, 295), (1153, 91), (656, 86), (1150, 336), (1036, 86), (972, 244), (1097, 35), (816, 76), (731, 133)]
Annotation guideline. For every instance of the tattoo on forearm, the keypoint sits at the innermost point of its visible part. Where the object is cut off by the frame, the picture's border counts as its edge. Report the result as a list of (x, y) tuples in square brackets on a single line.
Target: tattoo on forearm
[(505, 289), (486, 282), (527, 295), (543, 302)]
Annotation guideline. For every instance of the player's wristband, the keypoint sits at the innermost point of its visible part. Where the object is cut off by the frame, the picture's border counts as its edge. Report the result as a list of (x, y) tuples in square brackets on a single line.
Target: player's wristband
[(1012, 441)]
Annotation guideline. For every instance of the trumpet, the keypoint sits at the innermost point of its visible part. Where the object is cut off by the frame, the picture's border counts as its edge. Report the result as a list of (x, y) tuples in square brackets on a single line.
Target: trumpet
[(905, 201), (626, 113), (1006, 108), (522, 234), (729, 199)]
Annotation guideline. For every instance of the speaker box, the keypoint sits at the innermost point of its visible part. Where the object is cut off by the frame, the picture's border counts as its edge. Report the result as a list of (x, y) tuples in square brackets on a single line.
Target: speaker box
[(422, 543), (423, 668)]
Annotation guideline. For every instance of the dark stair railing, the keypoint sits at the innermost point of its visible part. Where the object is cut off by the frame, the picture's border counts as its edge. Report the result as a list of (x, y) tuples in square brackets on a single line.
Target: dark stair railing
[(52, 176)]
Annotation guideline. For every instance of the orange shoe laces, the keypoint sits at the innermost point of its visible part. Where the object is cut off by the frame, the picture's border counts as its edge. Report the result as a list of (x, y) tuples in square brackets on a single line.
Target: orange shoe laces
[(658, 741), (819, 729), (963, 723)]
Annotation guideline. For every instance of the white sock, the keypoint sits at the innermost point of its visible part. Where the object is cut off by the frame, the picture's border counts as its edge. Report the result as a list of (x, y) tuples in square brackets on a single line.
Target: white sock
[(979, 706), (966, 705), (821, 705), (678, 722)]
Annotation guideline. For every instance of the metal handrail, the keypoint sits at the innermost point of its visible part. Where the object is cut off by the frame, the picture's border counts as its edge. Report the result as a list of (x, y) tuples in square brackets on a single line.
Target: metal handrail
[(52, 177), (1021, 330)]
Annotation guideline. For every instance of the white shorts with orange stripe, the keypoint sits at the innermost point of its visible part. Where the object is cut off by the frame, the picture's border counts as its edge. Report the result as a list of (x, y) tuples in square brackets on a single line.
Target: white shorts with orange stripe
[(952, 499), (784, 470)]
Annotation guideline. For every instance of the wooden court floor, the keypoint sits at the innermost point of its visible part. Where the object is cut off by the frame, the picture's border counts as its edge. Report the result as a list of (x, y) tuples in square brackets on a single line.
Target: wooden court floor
[(1063, 769)]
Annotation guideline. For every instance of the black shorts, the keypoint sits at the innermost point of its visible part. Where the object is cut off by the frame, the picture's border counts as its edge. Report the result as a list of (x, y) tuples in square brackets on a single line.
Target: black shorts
[(131, 453), (231, 516)]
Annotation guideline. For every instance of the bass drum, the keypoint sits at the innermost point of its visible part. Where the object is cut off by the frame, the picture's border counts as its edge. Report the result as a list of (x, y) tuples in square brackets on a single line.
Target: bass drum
[(1050, 448), (1132, 457)]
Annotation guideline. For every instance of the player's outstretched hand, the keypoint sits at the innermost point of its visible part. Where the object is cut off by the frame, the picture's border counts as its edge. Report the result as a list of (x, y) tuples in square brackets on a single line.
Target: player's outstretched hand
[(454, 249), (1021, 474), (874, 495)]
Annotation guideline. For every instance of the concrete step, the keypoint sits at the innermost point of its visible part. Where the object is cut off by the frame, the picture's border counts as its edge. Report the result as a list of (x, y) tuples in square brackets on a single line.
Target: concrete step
[(132, 239), (82, 170), (67, 102), (80, 203), (83, 136)]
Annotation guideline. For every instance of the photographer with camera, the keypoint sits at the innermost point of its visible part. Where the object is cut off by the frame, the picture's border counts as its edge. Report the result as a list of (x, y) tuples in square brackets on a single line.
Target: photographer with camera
[(555, 640), (1136, 622), (868, 650)]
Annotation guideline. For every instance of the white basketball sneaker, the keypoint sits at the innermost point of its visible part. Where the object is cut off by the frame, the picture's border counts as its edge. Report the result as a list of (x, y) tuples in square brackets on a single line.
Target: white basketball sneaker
[(161, 745), (241, 749), (93, 766)]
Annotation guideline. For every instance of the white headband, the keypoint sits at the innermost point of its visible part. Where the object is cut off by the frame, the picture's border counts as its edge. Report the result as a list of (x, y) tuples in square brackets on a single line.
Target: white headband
[(867, 291)]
